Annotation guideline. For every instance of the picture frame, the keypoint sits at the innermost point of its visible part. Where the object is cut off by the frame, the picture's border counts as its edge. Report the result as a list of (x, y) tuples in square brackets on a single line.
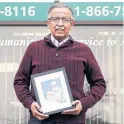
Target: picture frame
[(52, 91)]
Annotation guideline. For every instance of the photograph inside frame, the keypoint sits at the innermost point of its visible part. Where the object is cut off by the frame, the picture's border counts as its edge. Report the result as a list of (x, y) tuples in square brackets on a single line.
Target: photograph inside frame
[(52, 91)]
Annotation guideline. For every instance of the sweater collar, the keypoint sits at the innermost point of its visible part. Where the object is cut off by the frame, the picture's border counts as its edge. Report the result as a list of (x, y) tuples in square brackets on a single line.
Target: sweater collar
[(56, 42), (50, 43)]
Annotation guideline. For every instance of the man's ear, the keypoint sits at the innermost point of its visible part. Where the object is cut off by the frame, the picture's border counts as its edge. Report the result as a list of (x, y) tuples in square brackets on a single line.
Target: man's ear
[(48, 24), (73, 23)]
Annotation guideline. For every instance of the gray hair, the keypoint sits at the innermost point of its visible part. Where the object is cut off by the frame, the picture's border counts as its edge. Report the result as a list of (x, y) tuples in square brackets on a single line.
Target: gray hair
[(58, 4)]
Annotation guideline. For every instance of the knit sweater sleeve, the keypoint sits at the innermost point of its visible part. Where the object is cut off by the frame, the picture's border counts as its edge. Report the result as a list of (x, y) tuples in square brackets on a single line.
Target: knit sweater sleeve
[(96, 81), (22, 80)]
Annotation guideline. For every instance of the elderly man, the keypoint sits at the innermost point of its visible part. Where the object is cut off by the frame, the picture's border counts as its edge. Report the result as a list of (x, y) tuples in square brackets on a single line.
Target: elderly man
[(56, 50)]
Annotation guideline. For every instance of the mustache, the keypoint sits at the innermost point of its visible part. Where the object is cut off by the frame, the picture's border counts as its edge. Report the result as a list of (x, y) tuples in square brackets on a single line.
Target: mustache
[(62, 28)]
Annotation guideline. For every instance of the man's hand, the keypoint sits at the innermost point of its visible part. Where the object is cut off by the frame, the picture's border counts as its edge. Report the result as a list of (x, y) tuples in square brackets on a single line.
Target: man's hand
[(76, 110), (35, 108)]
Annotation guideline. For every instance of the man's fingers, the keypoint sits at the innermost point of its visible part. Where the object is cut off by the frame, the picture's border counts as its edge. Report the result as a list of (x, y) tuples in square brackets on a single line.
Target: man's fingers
[(76, 110), (68, 111), (75, 102), (72, 112), (37, 106), (39, 115), (40, 118)]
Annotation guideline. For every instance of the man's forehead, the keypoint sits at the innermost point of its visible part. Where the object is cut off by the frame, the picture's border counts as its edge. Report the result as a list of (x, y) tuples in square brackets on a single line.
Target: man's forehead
[(60, 12)]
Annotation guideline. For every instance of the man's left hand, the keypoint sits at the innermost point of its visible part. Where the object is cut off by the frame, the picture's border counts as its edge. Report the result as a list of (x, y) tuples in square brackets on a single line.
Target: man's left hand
[(74, 111)]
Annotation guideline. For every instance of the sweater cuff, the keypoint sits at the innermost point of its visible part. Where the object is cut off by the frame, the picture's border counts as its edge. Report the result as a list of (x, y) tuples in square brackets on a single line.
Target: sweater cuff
[(28, 103), (86, 103)]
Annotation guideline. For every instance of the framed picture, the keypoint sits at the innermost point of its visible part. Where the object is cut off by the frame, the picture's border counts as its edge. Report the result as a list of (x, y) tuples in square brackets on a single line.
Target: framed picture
[(52, 91)]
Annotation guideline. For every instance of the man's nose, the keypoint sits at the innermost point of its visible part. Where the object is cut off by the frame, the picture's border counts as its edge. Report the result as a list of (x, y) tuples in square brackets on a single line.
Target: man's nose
[(60, 22)]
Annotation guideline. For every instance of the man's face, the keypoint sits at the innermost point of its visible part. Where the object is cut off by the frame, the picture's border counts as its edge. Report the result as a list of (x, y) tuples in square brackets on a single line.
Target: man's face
[(60, 22)]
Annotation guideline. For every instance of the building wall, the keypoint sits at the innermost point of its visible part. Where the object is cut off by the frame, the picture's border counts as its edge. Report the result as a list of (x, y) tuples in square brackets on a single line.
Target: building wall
[(15, 39)]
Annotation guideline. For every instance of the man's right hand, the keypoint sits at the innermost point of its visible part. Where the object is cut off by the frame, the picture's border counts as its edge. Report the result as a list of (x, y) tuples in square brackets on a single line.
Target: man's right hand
[(35, 108)]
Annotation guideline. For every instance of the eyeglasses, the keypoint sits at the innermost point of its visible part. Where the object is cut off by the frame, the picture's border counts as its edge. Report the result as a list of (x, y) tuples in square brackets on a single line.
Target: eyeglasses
[(57, 19)]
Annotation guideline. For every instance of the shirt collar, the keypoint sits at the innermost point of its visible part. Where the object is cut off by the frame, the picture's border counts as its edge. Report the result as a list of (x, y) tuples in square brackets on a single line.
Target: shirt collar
[(56, 42), (49, 41)]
